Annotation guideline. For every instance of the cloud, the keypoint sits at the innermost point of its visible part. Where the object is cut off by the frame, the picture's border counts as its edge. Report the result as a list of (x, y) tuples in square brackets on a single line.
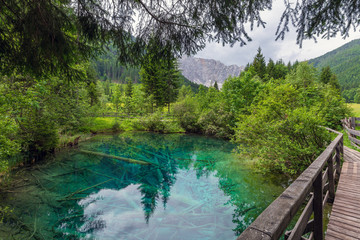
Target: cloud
[(286, 49)]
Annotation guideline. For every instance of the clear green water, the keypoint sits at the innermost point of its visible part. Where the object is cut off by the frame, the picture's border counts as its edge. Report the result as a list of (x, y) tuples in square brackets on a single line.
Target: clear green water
[(195, 188)]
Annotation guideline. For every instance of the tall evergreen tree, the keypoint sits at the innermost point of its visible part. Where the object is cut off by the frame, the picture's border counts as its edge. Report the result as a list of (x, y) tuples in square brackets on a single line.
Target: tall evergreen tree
[(259, 64), (171, 78), (216, 85), (325, 75), (270, 69), (129, 88), (160, 78), (328, 77)]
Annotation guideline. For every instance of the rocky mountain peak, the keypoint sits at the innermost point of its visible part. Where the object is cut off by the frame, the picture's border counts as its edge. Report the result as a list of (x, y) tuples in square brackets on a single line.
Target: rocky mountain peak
[(207, 71)]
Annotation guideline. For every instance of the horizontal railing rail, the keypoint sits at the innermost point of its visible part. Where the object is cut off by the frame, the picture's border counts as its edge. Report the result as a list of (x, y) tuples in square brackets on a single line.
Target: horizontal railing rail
[(350, 125), (313, 188)]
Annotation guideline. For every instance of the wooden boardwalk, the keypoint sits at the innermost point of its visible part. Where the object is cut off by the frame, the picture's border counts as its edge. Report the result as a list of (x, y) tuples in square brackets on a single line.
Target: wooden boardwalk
[(344, 221)]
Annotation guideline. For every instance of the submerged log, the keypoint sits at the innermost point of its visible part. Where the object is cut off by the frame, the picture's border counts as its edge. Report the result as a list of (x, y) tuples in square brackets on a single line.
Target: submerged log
[(115, 157)]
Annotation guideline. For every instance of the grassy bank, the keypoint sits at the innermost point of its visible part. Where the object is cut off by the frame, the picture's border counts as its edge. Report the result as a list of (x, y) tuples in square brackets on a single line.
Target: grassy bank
[(355, 108), (113, 125)]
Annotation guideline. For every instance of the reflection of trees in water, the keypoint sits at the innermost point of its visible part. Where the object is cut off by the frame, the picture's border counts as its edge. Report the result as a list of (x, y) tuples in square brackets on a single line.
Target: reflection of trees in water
[(166, 152), (157, 181), (244, 213)]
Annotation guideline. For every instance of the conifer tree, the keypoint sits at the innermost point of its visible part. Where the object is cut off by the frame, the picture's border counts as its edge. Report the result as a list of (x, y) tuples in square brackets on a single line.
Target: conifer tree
[(216, 85), (129, 88), (160, 78), (325, 75), (259, 64), (270, 69)]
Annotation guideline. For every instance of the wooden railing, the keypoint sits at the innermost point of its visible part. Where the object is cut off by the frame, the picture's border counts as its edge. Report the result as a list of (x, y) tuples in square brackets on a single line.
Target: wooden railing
[(314, 187), (350, 125)]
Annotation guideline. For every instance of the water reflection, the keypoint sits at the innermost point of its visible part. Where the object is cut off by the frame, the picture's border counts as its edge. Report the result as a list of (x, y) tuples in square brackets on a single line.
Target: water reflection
[(191, 190)]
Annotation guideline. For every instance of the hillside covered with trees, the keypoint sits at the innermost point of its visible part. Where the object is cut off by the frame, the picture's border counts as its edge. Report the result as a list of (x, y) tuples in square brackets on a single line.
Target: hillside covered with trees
[(344, 62)]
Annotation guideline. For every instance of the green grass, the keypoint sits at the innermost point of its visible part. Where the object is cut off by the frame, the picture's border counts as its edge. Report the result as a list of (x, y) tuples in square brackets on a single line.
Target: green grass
[(355, 107), (106, 125)]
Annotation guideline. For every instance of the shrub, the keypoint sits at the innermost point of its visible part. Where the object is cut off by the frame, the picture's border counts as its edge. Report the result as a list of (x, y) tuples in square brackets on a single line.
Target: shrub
[(187, 114), (281, 132), (153, 122), (116, 127), (216, 122)]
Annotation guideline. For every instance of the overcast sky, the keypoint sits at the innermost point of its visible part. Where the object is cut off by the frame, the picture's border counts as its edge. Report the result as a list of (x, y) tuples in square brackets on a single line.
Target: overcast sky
[(286, 49)]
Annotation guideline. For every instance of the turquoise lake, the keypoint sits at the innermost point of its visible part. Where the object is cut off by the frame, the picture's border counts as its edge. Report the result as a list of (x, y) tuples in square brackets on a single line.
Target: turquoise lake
[(195, 187)]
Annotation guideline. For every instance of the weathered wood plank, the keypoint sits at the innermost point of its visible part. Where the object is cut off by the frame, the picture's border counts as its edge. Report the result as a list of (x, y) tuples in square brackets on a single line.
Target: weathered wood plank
[(329, 237), (352, 131), (346, 233), (344, 221), (301, 224), (343, 216)]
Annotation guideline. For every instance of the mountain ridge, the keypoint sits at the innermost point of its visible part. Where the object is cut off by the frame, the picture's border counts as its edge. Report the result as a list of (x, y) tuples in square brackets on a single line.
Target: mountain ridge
[(207, 71), (344, 62)]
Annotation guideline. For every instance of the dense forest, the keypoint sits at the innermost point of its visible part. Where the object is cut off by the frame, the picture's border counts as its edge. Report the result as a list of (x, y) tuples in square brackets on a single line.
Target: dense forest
[(107, 68), (344, 62)]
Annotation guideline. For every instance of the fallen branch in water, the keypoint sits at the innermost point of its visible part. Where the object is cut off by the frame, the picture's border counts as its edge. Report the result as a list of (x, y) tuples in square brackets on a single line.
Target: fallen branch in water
[(82, 190), (116, 157)]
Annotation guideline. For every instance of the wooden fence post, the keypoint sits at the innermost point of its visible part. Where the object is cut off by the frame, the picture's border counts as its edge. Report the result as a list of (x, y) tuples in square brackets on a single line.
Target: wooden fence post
[(318, 208), (352, 122), (339, 150), (331, 177)]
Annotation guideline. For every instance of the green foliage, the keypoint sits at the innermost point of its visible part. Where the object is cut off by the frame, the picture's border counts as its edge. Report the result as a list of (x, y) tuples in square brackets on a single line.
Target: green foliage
[(327, 77), (216, 122), (186, 112), (259, 64), (160, 78), (9, 147), (284, 135), (4, 212), (129, 88), (108, 68), (154, 122), (216, 85), (343, 62), (332, 107), (270, 71), (43, 35), (283, 130), (239, 92), (116, 127), (193, 86), (36, 110)]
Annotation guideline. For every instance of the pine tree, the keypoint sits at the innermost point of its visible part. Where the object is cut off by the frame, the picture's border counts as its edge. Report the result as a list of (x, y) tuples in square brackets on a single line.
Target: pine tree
[(216, 85), (325, 75), (129, 88), (172, 78), (270, 69), (259, 64), (160, 78)]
